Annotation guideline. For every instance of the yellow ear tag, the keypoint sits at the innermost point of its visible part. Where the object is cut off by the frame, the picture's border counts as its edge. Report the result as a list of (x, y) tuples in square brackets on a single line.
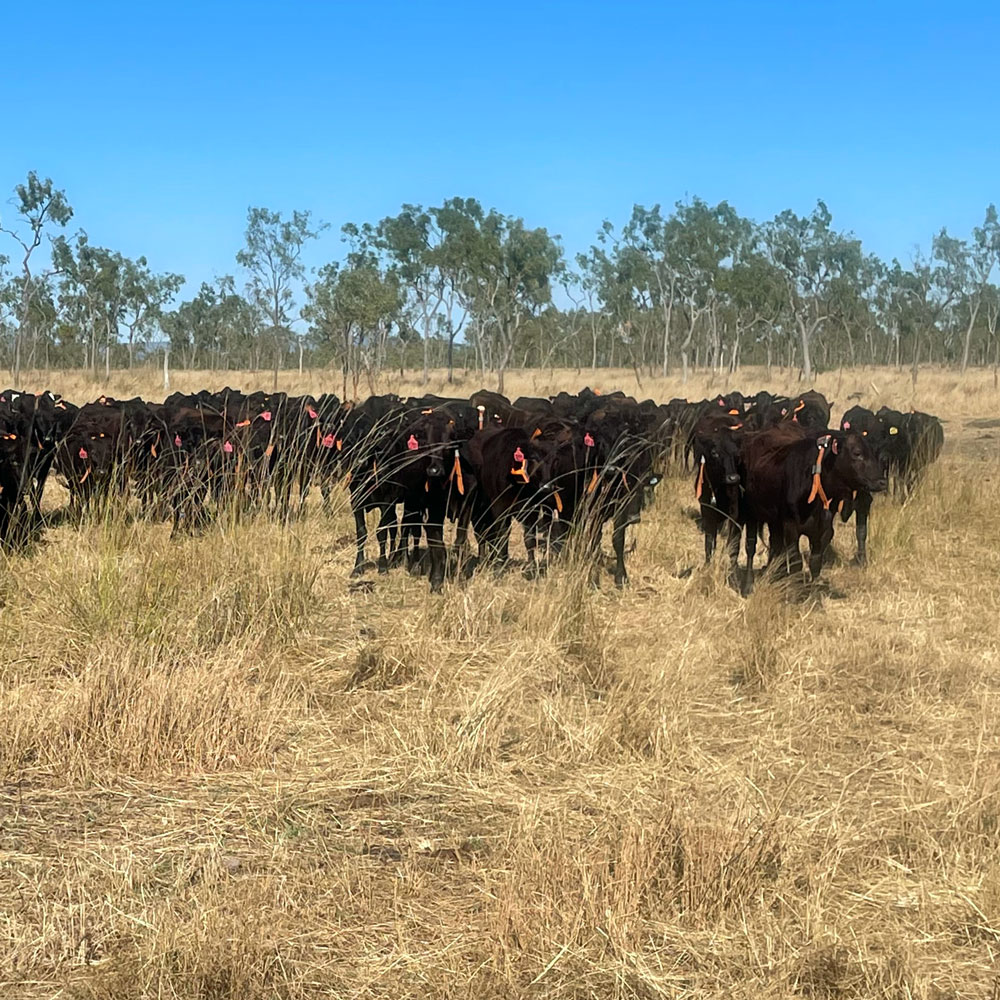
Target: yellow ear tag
[(893, 430)]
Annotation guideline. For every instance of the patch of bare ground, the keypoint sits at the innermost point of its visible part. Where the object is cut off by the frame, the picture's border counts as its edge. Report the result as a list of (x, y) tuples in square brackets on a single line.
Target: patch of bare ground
[(226, 772)]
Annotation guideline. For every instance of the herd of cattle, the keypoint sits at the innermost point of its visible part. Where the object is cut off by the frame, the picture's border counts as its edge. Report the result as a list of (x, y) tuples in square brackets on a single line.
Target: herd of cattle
[(562, 467)]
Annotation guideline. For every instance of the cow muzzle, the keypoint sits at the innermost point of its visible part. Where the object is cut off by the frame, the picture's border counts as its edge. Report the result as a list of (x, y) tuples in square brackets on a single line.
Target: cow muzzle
[(732, 478)]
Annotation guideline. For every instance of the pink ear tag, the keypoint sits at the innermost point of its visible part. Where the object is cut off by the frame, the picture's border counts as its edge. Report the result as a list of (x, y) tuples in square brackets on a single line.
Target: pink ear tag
[(228, 447), (83, 453), (177, 440), (266, 415), (312, 413), (847, 425), (588, 440), (518, 455), (328, 441), (412, 444)]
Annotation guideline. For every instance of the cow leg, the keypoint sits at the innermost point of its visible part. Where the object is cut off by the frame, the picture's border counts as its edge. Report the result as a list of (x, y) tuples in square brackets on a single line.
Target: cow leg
[(775, 541), (5, 513), (735, 531), (530, 528), (557, 537), (543, 537), (461, 545), (176, 524), (361, 531), (502, 541), (409, 530), (493, 547), (283, 495), (710, 528), (862, 509), (386, 526), (618, 543), (434, 527), (793, 554), (820, 537), (751, 550)]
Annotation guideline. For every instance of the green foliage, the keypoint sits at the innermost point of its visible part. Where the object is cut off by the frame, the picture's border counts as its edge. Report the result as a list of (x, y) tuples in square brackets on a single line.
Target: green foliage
[(272, 256), (698, 285), (351, 310)]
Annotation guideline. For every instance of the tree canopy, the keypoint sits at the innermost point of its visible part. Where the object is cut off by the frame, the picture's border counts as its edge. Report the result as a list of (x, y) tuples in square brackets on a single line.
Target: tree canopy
[(695, 286)]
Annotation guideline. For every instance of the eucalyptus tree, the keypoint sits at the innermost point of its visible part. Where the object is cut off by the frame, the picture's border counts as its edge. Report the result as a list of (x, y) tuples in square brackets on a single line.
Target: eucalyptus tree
[(646, 261), (144, 294), (37, 204), (504, 274), (974, 263), (810, 255), (272, 255), (351, 309), (410, 243), (195, 329), (991, 310), (618, 273), (90, 292), (754, 291), (702, 238)]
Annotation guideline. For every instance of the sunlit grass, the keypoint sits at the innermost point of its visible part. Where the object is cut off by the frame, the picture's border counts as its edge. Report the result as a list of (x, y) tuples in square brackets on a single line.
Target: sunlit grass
[(228, 772)]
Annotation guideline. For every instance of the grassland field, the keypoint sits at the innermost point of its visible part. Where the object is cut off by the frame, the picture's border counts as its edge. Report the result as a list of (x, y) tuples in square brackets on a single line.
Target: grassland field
[(225, 772)]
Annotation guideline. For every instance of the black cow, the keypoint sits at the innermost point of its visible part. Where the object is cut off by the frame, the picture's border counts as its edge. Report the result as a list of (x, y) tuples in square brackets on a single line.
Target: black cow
[(810, 410), (862, 421), (718, 487), (912, 442), (505, 462), (794, 477)]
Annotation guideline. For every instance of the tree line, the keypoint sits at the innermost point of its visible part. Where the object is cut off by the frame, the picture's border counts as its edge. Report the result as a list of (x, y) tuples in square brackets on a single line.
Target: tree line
[(457, 286)]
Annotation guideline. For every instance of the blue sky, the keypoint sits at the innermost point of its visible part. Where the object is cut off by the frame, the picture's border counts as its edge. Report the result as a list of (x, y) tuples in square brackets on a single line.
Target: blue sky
[(164, 122)]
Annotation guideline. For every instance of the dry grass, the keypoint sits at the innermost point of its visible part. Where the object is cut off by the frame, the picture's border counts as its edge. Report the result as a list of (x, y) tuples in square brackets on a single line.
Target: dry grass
[(228, 774)]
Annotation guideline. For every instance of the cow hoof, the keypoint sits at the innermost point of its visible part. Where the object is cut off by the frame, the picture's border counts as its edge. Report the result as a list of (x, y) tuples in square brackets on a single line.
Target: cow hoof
[(860, 560), (531, 571), (358, 571), (437, 586), (383, 567)]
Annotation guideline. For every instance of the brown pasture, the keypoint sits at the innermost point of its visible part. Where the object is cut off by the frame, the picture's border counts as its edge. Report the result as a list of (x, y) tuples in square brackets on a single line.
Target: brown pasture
[(225, 771)]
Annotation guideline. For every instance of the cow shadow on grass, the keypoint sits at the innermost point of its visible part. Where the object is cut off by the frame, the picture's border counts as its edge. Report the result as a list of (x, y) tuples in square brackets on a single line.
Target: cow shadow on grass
[(794, 586)]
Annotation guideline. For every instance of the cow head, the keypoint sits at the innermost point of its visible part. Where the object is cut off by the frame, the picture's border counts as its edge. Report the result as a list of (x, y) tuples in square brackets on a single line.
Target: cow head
[(426, 440), (717, 447), (856, 462)]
